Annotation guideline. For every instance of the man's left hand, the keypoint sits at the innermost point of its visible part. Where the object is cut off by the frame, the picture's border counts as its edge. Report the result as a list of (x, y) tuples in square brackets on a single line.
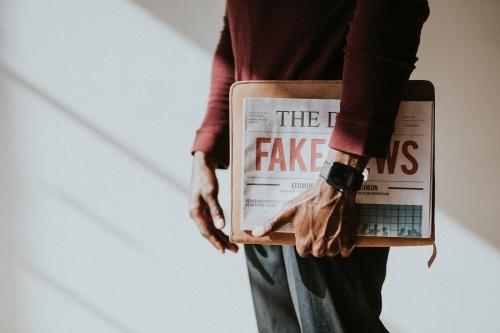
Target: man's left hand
[(323, 217)]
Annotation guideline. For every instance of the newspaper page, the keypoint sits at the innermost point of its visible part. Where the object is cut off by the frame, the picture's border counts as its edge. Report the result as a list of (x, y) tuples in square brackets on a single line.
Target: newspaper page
[(286, 143)]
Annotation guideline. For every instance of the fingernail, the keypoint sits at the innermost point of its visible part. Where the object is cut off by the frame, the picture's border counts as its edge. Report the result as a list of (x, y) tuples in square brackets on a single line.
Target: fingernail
[(219, 223), (345, 253), (258, 231)]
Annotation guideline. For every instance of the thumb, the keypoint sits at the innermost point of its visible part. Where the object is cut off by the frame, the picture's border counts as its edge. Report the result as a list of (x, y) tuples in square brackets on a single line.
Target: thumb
[(215, 210), (274, 223)]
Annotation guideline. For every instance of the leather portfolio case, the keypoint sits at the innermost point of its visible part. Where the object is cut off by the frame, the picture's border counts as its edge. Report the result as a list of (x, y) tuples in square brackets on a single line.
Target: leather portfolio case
[(415, 91)]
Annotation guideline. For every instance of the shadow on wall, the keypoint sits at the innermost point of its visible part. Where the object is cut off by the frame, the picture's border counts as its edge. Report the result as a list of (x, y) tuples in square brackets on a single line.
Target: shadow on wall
[(94, 129), (10, 252), (194, 19), (189, 18), (9, 248), (77, 299)]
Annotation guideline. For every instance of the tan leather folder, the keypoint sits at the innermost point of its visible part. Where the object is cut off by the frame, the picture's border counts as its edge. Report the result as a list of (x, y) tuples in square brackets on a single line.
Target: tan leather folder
[(415, 91)]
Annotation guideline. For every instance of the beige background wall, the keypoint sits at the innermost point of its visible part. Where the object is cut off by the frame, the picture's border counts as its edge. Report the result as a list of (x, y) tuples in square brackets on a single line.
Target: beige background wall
[(99, 100)]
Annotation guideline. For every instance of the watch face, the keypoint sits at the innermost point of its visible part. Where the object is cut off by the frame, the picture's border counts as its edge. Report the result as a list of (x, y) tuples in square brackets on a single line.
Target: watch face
[(344, 177), (338, 175)]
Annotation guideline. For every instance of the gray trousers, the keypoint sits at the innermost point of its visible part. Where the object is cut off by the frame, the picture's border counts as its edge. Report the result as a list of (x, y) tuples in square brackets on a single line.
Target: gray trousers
[(315, 295)]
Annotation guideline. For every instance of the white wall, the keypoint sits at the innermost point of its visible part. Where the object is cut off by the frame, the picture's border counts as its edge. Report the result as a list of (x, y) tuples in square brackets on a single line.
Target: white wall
[(99, 100), (459, 52)]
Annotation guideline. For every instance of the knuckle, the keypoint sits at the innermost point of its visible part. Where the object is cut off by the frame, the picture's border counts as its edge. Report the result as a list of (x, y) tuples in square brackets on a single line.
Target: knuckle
[(303, 249), (194, 197), (208, 191), (195, 193), (345, 254), (347, 250), (302, 243), (332, 247), (194, 211), (215, 210), (318, 254), (333, 252), (301, 252), (204, 232), (319, 249)]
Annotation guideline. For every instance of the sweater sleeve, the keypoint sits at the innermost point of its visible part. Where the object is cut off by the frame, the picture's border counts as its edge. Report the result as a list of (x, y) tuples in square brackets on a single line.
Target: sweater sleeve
[(379, 57), (213, 135)]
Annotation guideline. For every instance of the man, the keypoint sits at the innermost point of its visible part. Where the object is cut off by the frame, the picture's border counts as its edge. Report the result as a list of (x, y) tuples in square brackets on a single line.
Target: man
[(321, 284)]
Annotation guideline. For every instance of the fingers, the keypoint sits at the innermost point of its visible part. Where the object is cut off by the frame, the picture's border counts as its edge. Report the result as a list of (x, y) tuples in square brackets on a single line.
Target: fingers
[(319, 248), (198, 216), (274, 223), (201, 215), (225, 240), (303, 246), (347, 242), (347, 239), (346, 251), (215, 209), (332, 248)]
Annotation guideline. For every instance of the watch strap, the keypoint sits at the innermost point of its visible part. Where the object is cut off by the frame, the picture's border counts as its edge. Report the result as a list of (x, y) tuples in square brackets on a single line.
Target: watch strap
[(325, 169)]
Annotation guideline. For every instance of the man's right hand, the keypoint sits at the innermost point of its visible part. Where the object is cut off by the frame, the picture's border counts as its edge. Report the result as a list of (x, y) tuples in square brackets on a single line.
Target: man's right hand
[(204, 207)]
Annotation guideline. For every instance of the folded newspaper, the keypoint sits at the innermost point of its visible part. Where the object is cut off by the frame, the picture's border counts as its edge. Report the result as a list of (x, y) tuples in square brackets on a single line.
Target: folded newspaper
[(286, 142)]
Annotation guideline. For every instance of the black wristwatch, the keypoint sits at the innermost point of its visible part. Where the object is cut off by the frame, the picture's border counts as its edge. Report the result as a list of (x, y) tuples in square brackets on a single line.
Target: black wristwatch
[(341, 176)]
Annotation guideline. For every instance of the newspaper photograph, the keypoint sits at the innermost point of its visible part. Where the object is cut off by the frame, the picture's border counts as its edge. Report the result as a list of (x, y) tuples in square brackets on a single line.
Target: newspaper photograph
[(286, 143)]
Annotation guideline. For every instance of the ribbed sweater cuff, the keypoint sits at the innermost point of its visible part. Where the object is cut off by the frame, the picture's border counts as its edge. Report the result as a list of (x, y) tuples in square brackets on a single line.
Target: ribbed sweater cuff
[(213, 145), (360, 140)]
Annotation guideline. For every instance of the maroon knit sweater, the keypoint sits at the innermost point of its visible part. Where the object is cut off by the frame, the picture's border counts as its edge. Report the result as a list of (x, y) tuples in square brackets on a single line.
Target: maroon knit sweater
[(370, 44)]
